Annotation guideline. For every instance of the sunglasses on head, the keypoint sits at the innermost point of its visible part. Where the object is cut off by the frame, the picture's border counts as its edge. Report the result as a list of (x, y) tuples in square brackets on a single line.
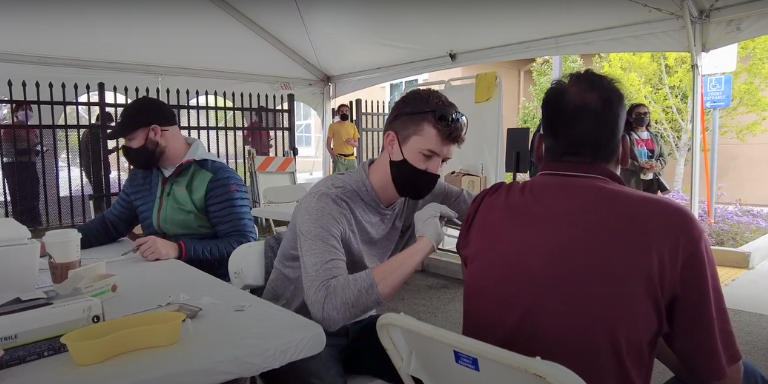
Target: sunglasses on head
[(445, 118)]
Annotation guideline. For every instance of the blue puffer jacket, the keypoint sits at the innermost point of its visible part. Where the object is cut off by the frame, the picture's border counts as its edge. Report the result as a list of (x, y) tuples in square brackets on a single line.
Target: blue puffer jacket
[(203, 206)]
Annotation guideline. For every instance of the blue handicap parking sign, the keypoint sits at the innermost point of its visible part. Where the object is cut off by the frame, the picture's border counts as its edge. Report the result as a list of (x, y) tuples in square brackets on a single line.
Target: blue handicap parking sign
[(718, 91)]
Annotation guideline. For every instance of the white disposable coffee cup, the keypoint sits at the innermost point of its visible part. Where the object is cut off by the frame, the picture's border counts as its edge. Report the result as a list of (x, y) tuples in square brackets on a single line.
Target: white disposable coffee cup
[(63, 245)]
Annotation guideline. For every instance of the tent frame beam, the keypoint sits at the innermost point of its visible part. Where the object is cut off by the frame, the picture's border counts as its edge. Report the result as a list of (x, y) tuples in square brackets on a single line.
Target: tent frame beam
[(513, 51), (154, 70), (693, 29), (264, 34)]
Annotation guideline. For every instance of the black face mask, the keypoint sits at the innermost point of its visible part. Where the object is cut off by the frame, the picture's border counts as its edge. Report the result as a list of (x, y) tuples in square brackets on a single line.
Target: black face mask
[(344, 117), (641, 121), (411, 182), (146, 157)]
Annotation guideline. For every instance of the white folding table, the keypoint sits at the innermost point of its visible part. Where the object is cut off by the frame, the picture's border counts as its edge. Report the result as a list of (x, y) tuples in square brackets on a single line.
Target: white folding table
[(220, 345)]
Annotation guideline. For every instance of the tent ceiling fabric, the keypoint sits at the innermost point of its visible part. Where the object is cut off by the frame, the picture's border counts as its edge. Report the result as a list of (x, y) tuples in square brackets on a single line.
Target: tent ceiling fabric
[(355, 44)]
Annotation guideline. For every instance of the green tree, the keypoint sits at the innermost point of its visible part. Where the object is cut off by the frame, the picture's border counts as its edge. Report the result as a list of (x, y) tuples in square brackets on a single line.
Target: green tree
[(664, 82), (541, 72)]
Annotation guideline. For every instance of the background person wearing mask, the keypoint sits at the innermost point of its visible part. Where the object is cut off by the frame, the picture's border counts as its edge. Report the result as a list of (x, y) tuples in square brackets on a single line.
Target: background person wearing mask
[(20, 151), (342, 141), (93, 151), (191, 206), (647, 158), (358, 236)]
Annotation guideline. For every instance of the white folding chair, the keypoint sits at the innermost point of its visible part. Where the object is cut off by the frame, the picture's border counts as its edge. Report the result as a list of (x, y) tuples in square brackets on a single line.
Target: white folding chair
[(246, 266), (438, 356), (284, 194)]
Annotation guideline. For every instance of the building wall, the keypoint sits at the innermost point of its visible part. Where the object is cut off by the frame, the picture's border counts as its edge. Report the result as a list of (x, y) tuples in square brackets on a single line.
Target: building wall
[(742, 171)]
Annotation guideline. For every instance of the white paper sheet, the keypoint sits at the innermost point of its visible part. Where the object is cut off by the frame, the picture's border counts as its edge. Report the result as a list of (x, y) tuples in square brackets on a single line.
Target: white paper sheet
[(44, 279)]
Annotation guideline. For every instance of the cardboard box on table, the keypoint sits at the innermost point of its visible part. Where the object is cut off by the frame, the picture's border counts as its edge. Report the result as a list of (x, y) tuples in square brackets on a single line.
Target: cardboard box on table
[(35, 334), (467, 181)]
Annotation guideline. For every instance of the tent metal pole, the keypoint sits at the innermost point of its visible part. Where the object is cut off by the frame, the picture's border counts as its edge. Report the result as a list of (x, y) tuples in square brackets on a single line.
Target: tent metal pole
[(557, 67), (327, 120), (694, 40)]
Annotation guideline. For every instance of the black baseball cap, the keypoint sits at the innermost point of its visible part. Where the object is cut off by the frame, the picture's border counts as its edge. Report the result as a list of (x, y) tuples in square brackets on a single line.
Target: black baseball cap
[(142, 113)]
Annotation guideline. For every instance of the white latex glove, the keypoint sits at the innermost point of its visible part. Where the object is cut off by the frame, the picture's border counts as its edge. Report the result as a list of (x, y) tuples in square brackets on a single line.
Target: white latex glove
[(427, 222)]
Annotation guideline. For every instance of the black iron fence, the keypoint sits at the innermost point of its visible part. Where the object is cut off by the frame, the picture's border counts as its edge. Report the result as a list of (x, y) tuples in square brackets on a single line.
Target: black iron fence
[(58, 169), (369, 116)]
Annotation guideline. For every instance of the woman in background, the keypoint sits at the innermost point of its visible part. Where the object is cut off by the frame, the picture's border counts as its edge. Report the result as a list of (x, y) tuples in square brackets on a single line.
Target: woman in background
[(647, 153), (20, 150)]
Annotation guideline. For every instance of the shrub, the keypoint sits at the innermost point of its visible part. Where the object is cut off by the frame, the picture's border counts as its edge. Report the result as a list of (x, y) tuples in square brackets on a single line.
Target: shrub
[(734, 225), (520, 177)]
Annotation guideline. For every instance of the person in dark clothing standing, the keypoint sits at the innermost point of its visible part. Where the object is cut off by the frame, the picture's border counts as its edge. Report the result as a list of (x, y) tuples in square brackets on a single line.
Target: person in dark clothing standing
[(93, 151), (20, 151)]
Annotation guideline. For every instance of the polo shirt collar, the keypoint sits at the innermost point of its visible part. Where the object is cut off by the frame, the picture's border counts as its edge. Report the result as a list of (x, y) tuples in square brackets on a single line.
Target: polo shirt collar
[(576, 169)]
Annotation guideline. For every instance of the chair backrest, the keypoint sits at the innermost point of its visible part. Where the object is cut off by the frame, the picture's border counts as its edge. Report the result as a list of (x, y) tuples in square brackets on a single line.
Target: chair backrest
[(246, 266), (283, 194), (438, 356), (271, 171), (271, 246)]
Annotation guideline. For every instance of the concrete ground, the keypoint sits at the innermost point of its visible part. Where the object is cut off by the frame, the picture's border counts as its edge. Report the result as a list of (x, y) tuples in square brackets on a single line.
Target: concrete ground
[(437, 300)]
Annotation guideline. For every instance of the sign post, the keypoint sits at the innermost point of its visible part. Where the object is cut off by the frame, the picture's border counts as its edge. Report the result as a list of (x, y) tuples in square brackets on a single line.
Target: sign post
[(718, 94)]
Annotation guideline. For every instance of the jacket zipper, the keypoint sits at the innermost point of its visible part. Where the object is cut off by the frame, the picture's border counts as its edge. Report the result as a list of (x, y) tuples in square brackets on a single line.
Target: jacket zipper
[(160, 208)]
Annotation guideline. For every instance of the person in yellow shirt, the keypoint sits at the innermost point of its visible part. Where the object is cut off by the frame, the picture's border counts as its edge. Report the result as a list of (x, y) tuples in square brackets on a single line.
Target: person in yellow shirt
[(342, 141)]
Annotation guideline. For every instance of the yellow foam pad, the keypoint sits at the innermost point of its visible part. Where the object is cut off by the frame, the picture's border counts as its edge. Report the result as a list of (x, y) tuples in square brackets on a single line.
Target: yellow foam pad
[(728, 274)]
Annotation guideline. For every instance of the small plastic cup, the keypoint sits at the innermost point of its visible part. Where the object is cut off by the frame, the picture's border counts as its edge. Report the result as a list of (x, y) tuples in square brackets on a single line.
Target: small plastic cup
[(63, 245)]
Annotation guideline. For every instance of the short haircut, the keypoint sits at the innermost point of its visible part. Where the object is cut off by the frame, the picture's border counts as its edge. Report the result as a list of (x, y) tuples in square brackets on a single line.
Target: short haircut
[(582, 119), (108, 118), (340, 106), (405, 121)]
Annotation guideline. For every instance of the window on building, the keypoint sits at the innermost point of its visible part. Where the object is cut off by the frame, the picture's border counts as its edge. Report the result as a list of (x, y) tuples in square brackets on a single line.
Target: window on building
[(308, 130)]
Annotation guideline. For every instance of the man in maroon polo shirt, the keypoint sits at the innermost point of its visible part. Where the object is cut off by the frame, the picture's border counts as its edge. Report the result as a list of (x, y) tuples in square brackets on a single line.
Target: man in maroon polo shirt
[(576, 287)]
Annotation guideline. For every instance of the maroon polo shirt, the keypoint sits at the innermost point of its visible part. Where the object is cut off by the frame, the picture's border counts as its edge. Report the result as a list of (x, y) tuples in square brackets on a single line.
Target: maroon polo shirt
[(578, 269)]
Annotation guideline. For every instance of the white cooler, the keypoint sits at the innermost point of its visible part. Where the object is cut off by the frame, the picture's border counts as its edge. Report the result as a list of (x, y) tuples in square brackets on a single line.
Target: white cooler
[(19, 257)]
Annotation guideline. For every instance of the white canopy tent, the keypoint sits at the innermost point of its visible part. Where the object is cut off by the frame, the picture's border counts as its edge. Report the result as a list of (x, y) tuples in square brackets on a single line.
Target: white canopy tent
[(252, 45)]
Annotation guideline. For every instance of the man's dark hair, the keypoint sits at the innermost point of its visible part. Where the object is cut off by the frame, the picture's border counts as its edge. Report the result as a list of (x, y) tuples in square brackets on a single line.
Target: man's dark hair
[(582, 119), (108, 118), (340, 106), (405, 120), (20, 106)]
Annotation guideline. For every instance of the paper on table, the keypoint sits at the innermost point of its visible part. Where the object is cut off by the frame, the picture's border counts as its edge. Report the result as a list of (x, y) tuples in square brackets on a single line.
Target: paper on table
[(44, 279)]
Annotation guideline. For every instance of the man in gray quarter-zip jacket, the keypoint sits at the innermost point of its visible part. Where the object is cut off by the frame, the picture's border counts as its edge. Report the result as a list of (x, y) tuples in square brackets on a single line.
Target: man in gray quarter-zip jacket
[(356, 237)]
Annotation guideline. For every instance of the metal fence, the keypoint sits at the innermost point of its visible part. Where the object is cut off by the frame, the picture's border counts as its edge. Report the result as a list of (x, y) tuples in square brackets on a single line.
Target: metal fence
[(50, 175), (369, 116)]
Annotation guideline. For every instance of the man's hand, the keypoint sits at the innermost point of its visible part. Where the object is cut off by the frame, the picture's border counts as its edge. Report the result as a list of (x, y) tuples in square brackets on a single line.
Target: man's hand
[(350, 141), (154, 248), (427, 222)]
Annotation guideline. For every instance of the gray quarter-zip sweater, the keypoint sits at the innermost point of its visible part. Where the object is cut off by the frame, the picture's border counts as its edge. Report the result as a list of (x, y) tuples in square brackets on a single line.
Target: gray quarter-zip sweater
[(338, 232)]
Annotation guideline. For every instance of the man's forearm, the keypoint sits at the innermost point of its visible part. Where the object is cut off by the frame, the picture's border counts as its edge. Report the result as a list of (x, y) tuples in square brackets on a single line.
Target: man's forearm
[(392, 274)]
